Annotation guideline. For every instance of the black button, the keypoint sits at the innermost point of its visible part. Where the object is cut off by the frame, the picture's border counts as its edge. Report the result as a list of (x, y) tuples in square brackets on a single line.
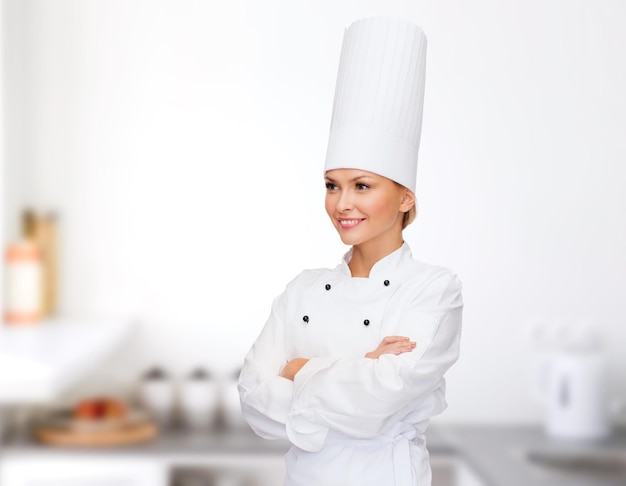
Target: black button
[(366, 322), (327, 286), (305, 318), (386, 282)]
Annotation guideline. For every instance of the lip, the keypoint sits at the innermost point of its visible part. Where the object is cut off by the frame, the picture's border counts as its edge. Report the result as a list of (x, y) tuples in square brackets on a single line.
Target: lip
[(347, 223)]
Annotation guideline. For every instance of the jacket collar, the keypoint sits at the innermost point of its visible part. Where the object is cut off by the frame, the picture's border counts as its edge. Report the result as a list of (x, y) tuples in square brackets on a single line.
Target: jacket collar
[(384, 267)]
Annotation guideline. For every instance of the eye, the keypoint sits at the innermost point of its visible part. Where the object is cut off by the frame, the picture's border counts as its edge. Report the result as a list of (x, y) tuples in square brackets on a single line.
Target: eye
[(362, 187), (330, 186)]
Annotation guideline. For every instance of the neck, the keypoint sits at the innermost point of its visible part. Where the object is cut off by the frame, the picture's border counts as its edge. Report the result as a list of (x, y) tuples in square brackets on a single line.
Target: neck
[(365, 255)]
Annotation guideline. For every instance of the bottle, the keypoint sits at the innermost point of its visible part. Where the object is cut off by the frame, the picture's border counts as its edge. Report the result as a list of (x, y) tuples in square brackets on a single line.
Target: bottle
[(41, 230), (23, 283)]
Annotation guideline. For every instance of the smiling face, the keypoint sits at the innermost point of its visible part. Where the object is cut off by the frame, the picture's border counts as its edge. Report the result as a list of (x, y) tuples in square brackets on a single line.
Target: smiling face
[(366, 208)]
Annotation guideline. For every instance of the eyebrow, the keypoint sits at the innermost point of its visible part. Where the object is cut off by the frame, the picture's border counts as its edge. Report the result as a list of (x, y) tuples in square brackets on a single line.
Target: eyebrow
[(354, 179)]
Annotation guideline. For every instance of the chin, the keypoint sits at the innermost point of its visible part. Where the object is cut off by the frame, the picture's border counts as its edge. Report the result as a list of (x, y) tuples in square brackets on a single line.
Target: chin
[(349, 240)]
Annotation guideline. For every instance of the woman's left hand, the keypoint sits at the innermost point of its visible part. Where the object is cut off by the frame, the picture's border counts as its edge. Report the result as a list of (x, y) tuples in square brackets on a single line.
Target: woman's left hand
[(292, 367), (392, 345)]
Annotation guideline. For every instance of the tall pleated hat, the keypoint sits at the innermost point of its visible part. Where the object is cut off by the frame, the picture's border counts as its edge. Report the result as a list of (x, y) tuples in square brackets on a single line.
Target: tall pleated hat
[(379, 97)]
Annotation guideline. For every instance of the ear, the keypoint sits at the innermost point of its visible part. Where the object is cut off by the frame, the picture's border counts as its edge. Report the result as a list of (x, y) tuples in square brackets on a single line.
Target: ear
[(408, 200)]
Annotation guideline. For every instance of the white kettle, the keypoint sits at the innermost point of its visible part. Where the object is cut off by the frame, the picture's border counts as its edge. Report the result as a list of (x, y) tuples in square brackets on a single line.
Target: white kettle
[(573, 386)]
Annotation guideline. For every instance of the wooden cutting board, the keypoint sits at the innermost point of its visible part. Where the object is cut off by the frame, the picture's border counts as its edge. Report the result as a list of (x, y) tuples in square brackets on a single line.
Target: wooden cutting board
[(133, 433)]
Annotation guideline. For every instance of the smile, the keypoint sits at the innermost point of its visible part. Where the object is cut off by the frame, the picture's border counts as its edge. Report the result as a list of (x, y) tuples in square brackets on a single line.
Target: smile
[(349, 223)]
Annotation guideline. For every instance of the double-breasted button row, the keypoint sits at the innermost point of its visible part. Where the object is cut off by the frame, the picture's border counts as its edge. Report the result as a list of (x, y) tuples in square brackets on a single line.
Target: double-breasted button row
[(366, 322), (385, 283)]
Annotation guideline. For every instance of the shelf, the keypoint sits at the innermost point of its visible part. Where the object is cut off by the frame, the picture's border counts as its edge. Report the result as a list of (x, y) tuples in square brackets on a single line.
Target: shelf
[(38, 363)]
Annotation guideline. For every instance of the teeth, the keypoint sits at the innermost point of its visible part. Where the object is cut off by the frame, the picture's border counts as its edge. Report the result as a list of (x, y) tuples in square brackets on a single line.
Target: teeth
[(348, 222)]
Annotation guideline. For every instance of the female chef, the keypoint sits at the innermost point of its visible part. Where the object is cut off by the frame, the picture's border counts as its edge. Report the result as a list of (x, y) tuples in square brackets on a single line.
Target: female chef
[(350, 364)]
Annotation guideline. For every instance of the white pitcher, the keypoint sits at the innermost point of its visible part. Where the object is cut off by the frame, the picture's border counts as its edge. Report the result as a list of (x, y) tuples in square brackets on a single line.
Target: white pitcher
[(573, 386)]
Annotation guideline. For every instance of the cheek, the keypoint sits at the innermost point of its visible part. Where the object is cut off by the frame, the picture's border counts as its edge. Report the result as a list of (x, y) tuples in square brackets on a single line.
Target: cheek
[(380, 207), (329, 205)]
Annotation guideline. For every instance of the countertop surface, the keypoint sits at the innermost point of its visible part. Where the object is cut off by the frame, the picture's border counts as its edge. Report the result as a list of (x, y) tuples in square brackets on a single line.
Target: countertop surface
[(497, 454)]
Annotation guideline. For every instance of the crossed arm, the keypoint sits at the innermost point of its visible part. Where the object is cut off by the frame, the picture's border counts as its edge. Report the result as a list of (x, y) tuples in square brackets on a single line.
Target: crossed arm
[(306, 398), (389, 345)]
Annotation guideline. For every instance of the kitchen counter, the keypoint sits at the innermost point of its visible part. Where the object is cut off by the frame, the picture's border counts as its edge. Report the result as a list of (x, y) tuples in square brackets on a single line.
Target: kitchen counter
[(171, 443), (496, 454), (499, 456), (183, 443)]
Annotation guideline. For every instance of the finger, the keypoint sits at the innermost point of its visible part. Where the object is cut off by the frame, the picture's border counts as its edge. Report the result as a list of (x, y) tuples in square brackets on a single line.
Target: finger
[(406, 348), (394, 339), (396, 349)]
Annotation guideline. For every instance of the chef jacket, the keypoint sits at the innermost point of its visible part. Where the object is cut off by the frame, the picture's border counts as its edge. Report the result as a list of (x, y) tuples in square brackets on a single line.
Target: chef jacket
[(353, 420)]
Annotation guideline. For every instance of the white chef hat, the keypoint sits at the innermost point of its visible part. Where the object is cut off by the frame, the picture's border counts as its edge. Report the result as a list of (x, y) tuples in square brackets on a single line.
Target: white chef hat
[(379, 95)]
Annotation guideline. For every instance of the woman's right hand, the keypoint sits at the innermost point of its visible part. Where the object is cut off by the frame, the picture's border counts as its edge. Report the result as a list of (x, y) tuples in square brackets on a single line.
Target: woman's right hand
[(392, 345)]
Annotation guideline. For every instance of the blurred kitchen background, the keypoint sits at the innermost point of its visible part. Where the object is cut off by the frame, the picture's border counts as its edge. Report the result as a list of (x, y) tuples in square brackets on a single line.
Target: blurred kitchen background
[(176, 147)]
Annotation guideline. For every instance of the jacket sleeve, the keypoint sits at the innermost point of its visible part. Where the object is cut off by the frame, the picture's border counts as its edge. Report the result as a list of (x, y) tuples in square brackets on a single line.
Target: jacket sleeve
[(266, 396), (361, 396)]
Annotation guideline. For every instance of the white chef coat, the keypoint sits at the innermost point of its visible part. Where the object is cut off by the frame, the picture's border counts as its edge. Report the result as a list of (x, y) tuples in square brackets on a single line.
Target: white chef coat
[(353, 420)]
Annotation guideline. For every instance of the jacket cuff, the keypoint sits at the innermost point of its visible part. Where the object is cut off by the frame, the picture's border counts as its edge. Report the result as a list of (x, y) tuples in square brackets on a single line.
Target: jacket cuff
[(305, 434), (308, 370), (302, 430)]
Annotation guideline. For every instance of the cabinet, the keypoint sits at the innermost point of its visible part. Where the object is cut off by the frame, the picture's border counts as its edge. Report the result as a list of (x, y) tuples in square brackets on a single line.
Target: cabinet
[(233, 471), (450, 470), (176, 458), (79, 470), (174, 469)]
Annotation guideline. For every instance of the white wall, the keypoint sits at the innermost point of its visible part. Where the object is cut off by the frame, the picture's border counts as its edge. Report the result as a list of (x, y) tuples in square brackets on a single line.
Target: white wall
[(182, 144)]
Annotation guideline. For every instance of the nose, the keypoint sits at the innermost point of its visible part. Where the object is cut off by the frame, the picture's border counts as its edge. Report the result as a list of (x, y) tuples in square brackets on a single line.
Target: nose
[(345, 202)]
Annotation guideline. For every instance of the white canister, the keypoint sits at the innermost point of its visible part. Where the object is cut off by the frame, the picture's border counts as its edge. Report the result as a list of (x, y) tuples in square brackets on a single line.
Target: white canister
[(198, 400), (231, 403), (157, 393)]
